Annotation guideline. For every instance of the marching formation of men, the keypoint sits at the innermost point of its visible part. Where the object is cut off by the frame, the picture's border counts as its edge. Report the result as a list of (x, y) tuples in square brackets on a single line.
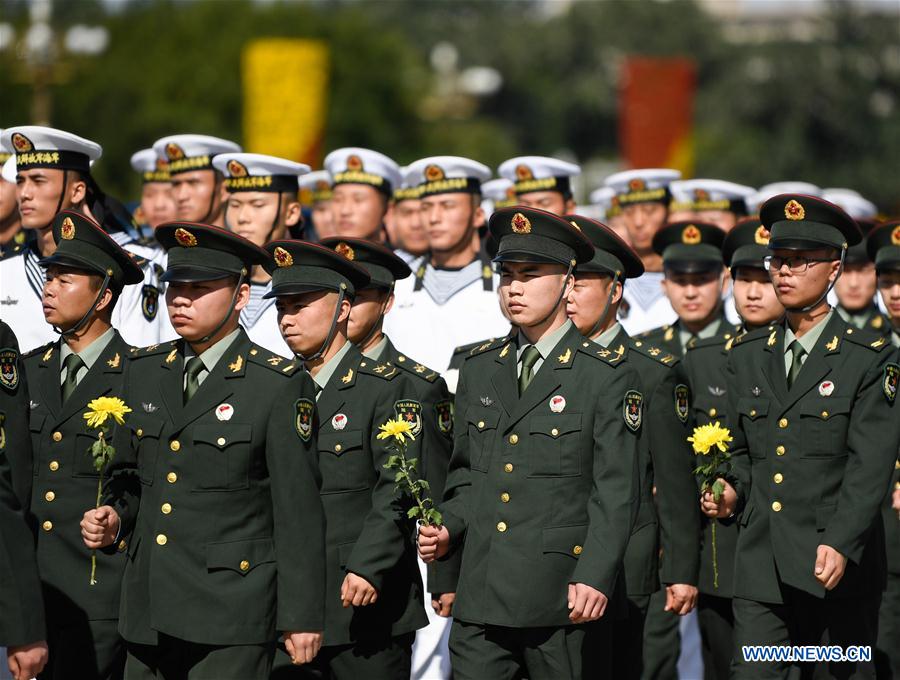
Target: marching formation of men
[(396, 422)]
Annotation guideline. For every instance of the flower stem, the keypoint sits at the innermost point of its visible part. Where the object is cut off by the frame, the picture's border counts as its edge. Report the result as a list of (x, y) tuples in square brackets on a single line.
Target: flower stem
[(715, 562), (412, 489), (97, 505)]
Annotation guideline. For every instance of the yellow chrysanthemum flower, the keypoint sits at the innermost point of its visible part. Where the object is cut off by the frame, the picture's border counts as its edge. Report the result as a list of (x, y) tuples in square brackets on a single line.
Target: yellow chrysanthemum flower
[(708, 436), (102, 408), (397, 429)]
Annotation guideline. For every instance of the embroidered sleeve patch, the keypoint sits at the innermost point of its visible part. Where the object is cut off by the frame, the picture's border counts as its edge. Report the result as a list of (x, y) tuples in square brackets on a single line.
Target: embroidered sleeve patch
[(410, 411), (303, 418), (444, 412), (9, 368), (633, 410), (890, 381), (149, 301), (682, 402)]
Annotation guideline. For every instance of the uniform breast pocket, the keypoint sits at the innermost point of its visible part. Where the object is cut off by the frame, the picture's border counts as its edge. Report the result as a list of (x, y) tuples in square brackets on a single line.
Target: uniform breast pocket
[(823, 423), (481, 424), (145, 433), (709, 409), (35, 426), (753, 414), (223, 453), (556, 445), (344, 462)]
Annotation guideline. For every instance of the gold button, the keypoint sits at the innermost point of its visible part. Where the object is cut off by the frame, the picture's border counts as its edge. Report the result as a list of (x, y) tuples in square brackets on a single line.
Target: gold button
[(338, 448), (122, 545), (401, 358), (779, 450), (577, 550), (824, 414), (220, 441), (140, 432), (896, 486), (166, 508), (897, 465), (245, 565), (49, 496), (779, 478), (783, 423), (752, 412), (171, 478), (57, 436), (712, 412), (161, 539), (508, 467), (47, 526), (480, 424), (638, 343), (504, 497), (175, 445), (54, 466), (776, 506), (514, 439), (554, 432), (849, 331), (501, 527)]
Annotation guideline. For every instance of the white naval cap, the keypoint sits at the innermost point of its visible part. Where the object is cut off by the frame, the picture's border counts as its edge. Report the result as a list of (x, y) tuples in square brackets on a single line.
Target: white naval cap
[(501, 192), (644, 185), (315, 187), (604, 199), (5, 150), (186, 153), (448, 175), (709, 194), (43, 147), (539, 173), (8, 174), (852, 202), (408, 189), (354, 165), (258, 172), (151, 167), (767, 191)]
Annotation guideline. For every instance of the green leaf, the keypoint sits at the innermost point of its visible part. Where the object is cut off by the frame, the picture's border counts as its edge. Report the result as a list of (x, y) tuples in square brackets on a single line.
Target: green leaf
[(718, 488), (413, 512)]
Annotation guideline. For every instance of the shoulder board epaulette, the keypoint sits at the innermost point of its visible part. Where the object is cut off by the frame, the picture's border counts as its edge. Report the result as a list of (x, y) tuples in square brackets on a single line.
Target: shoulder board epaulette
[(38, 350), (264, 357), (416, 369), (715, 341), (874, 341), (487, 346), (15, 251), (385, 371), (654, 331), (750, 336), (659, 354), (610, 355), (150, 350)]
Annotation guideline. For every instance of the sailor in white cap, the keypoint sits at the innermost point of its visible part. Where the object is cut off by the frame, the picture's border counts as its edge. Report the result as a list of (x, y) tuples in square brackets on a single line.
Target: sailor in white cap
[(262, 207), (315, 197), (643, 198), (197, 186), (405, 229), (53, 174), (711, 201), (606, 206), (767, 191), (363, 182), (450, 300), (542, 182), (157, 200), (496, 194), (11, 233)]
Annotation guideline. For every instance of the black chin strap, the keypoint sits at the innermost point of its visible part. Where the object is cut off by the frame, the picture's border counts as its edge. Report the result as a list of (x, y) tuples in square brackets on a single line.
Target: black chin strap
[(274, 221), (559, 297), (609, 298), (368, 336), (87, 315), (212, 199), (342, 295), (827, 290), (234, 297)]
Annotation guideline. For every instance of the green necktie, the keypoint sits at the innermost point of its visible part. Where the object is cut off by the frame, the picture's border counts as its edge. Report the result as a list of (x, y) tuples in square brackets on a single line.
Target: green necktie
[(72, 364), (192, 370), (529, 359), (797, 354)]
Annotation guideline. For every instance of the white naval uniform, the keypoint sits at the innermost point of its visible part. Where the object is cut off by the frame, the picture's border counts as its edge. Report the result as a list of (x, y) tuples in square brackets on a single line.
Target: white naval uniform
[(261, 323), (421, 326), (648, 307), (21, 287)]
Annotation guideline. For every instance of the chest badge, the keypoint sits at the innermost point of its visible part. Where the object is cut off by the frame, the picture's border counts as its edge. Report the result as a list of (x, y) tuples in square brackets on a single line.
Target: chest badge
[(339, 421), (224, 411), (557, 403), (826, 387), (486, 401)]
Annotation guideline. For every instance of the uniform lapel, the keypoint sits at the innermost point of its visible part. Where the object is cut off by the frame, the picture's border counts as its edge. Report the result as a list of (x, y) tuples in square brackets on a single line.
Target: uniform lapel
[(95, 382), (504, 378), (48, 379), (334, 394), (817, 364)]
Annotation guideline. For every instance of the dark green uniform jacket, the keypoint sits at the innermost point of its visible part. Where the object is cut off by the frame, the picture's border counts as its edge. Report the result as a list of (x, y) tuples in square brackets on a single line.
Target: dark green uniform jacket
[(65, 485), (368, 532), (228, 538), (668, 337), (813, 463), (542, 488), (14, 413)]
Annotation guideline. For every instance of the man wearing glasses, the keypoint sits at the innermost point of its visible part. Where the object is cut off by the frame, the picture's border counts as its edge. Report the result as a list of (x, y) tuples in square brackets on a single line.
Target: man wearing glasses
[(815, 439)]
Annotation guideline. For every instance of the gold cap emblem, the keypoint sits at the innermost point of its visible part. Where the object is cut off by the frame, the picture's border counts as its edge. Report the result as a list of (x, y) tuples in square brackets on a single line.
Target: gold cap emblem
[(761, 236), (637, 184), (691, 235), (354, 163), (345, 250), (174, 152), (185, 238), (434, 173), (520, 224), (895, 236), (21, 143), (794, 211), (282, 257), (67, 229), (237, 169), (524, 173)]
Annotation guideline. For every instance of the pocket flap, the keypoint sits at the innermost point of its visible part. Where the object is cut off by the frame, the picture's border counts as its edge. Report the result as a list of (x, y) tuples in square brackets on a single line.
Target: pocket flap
[(824, 513), (565, 540), (753, 408), (745, 516), (36, 423), (222, 435), (825, 407), (143, 426), (557, 425), (483, 418), (711, 407), (240, 556), (340, 442)]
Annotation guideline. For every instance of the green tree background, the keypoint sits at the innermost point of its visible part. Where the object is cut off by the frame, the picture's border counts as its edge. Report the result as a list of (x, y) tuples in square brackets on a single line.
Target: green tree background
[(786, 107)]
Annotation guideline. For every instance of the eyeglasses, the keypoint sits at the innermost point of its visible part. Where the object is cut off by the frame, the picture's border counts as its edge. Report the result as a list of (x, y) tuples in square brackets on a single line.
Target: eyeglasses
[(796, 264)]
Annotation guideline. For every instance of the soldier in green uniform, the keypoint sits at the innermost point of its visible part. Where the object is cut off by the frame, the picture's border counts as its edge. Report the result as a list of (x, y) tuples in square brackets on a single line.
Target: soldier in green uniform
[(373, 591), (224, 502), (84, 278), (857, 288), (22, 628), (705, 361), (815, 440), (542, 487), (883, 247), (665, 455)]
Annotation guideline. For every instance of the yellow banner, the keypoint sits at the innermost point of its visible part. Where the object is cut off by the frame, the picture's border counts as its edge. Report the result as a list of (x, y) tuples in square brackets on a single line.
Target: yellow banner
[(285, 86)]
